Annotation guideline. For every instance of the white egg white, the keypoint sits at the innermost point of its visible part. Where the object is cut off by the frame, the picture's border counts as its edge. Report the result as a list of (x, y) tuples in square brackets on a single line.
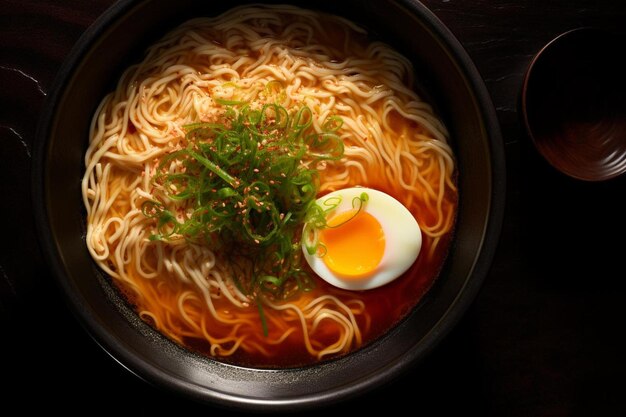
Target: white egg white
[(403, 239)]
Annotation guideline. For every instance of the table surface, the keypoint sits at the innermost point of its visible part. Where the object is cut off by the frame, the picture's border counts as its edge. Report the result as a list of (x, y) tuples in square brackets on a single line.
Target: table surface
[(543, 337)]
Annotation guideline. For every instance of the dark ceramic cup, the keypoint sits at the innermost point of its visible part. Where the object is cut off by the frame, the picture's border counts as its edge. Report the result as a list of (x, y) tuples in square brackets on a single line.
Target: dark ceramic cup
[(573, 104)]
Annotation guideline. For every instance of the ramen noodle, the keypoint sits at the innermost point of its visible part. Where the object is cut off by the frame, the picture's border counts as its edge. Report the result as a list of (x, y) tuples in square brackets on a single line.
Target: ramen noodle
[(203, 165)]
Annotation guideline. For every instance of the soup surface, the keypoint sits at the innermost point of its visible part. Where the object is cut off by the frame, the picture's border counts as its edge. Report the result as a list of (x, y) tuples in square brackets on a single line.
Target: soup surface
[(204, 165)]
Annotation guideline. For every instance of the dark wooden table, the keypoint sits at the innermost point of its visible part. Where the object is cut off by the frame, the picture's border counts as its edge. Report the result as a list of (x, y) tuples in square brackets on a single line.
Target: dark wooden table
[(543, 338)]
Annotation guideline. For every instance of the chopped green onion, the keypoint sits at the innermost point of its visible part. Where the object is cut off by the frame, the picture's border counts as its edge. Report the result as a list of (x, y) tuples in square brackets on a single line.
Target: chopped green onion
[(225, 102), (262, 316), (244, 188)]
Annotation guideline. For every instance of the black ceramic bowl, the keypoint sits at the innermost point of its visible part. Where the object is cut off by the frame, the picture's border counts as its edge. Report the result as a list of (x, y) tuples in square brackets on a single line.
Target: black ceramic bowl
[(118, 39)]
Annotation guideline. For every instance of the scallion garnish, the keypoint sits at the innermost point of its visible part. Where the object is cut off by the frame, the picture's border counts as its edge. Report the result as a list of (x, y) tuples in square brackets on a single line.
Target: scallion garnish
[(246, 188)]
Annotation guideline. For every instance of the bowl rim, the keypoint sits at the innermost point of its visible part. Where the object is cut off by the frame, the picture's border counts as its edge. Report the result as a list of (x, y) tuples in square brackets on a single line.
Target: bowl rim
[(152, 374)]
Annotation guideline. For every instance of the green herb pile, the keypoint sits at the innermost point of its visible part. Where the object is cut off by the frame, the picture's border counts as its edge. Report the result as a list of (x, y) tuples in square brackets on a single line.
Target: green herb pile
[(246, 187)]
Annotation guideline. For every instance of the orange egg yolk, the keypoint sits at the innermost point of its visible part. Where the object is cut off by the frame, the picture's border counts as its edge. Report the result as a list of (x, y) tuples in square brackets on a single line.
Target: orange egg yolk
[(356, 246)]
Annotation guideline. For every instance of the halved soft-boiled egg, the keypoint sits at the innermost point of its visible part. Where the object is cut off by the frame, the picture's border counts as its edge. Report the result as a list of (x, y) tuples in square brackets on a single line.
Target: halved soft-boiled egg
[(369, 240)]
